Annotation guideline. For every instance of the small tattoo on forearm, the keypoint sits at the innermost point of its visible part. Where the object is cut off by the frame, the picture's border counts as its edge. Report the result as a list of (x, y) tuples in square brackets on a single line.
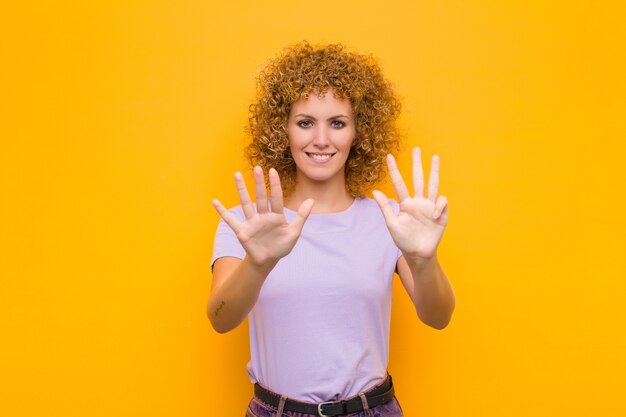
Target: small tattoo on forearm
[(217, 310)]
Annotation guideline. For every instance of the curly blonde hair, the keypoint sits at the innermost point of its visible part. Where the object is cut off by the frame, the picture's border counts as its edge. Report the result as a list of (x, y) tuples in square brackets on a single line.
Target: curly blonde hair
[(303, 69)]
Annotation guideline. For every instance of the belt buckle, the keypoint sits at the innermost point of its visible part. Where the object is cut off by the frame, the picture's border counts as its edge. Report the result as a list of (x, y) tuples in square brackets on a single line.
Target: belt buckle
[(319, 408)]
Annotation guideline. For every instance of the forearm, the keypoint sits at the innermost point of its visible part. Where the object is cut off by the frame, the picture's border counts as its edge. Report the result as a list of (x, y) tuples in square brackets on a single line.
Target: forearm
[(232, 300), (433, 293)]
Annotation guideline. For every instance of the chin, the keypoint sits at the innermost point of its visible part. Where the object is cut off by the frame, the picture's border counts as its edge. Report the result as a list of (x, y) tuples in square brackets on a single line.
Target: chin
[(320, 178)]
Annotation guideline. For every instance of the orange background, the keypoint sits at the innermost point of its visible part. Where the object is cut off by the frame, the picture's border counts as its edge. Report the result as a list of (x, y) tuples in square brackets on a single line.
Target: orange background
[(122, 120)]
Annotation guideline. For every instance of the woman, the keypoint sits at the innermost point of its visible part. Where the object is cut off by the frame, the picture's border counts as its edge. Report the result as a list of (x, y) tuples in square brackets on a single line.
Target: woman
[(311, 263)]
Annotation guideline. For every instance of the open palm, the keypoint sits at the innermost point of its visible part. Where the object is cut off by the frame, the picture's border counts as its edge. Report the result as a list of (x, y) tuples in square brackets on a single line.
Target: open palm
[(264, 234), (418, 227)]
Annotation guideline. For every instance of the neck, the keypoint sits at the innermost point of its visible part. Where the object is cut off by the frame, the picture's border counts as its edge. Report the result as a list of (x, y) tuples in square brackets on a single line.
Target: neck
[(329, 198)]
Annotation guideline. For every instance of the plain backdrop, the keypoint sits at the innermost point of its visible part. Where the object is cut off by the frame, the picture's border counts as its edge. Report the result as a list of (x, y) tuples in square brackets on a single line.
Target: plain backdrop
[(121, 120)]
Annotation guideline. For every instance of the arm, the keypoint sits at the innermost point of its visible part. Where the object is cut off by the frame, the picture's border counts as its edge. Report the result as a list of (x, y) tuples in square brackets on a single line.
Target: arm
[(430, 290), (235, 289), (417, 230), (265, 236)]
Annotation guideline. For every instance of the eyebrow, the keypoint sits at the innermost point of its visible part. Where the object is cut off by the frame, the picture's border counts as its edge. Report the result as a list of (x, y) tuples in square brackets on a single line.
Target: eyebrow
[(330, 118)]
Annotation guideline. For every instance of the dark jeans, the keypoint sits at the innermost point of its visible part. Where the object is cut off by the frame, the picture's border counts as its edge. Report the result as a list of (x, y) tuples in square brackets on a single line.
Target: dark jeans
[(258, 408)]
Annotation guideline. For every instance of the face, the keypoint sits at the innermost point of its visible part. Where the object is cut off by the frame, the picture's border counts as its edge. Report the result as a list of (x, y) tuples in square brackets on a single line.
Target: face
[(321, 131)]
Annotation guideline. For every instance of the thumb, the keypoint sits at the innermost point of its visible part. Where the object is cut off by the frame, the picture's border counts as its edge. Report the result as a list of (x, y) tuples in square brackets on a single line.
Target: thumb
[(303, 213), (385, 207)]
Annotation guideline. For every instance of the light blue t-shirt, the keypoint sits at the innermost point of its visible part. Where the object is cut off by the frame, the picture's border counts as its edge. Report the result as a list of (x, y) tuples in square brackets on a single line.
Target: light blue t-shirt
[(319, 330)]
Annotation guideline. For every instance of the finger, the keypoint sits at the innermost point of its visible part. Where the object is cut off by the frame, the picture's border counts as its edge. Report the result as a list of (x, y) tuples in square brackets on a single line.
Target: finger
[(277, 192), (396, 179), (385, 207), (433, 179), (418, 173), (261, 192), (302, 214), (228, 217), (440, 206), (244, 197)]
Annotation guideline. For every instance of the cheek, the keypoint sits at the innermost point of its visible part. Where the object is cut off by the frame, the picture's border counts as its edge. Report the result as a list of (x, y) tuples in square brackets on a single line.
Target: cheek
[(295, 137), (348, 138), (293, 147)]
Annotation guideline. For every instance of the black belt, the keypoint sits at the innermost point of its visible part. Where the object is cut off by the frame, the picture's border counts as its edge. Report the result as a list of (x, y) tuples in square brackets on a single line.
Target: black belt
[(379, 395)]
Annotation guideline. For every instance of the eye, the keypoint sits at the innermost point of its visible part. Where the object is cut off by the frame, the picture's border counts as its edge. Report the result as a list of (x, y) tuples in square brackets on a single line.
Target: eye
[(337, 123), (305, 123)]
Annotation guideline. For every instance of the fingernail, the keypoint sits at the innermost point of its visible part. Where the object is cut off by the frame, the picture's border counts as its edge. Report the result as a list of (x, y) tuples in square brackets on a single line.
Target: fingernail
[(436, 214)]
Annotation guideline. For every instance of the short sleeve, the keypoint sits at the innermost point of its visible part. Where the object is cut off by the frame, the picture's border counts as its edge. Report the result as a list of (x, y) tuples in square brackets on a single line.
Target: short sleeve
[(396, 209), (226, 242)]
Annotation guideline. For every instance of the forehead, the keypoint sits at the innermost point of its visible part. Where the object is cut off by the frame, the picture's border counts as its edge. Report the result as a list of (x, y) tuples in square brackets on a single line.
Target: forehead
[(322, 104)]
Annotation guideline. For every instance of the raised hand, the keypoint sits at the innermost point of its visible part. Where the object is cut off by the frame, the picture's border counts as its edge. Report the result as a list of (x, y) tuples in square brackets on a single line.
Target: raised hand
[(264, 234), (418, 228)]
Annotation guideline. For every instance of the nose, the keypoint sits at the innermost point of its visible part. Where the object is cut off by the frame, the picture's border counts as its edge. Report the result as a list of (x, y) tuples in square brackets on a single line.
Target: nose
[(321, 139)]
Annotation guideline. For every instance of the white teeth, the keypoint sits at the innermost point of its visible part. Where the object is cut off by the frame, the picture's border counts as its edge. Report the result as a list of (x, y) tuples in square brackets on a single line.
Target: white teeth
[(320, 157)]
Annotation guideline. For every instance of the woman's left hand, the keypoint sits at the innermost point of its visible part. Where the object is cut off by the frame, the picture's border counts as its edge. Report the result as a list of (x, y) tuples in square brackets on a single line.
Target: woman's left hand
[(418, 228)]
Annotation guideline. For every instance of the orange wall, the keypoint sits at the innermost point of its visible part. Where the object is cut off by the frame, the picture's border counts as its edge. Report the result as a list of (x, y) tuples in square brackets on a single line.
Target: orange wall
[(122, 120)]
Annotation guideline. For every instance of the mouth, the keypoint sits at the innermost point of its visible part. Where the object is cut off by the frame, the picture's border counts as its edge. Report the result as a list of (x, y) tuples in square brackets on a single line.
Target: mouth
[(320, 156)]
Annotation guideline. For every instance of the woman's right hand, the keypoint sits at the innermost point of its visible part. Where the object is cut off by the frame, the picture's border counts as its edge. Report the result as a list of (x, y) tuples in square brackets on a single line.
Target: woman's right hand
[(265, 234)]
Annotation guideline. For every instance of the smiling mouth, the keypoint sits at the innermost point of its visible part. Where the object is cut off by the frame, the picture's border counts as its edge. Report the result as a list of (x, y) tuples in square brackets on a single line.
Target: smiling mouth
[(320, 156)]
